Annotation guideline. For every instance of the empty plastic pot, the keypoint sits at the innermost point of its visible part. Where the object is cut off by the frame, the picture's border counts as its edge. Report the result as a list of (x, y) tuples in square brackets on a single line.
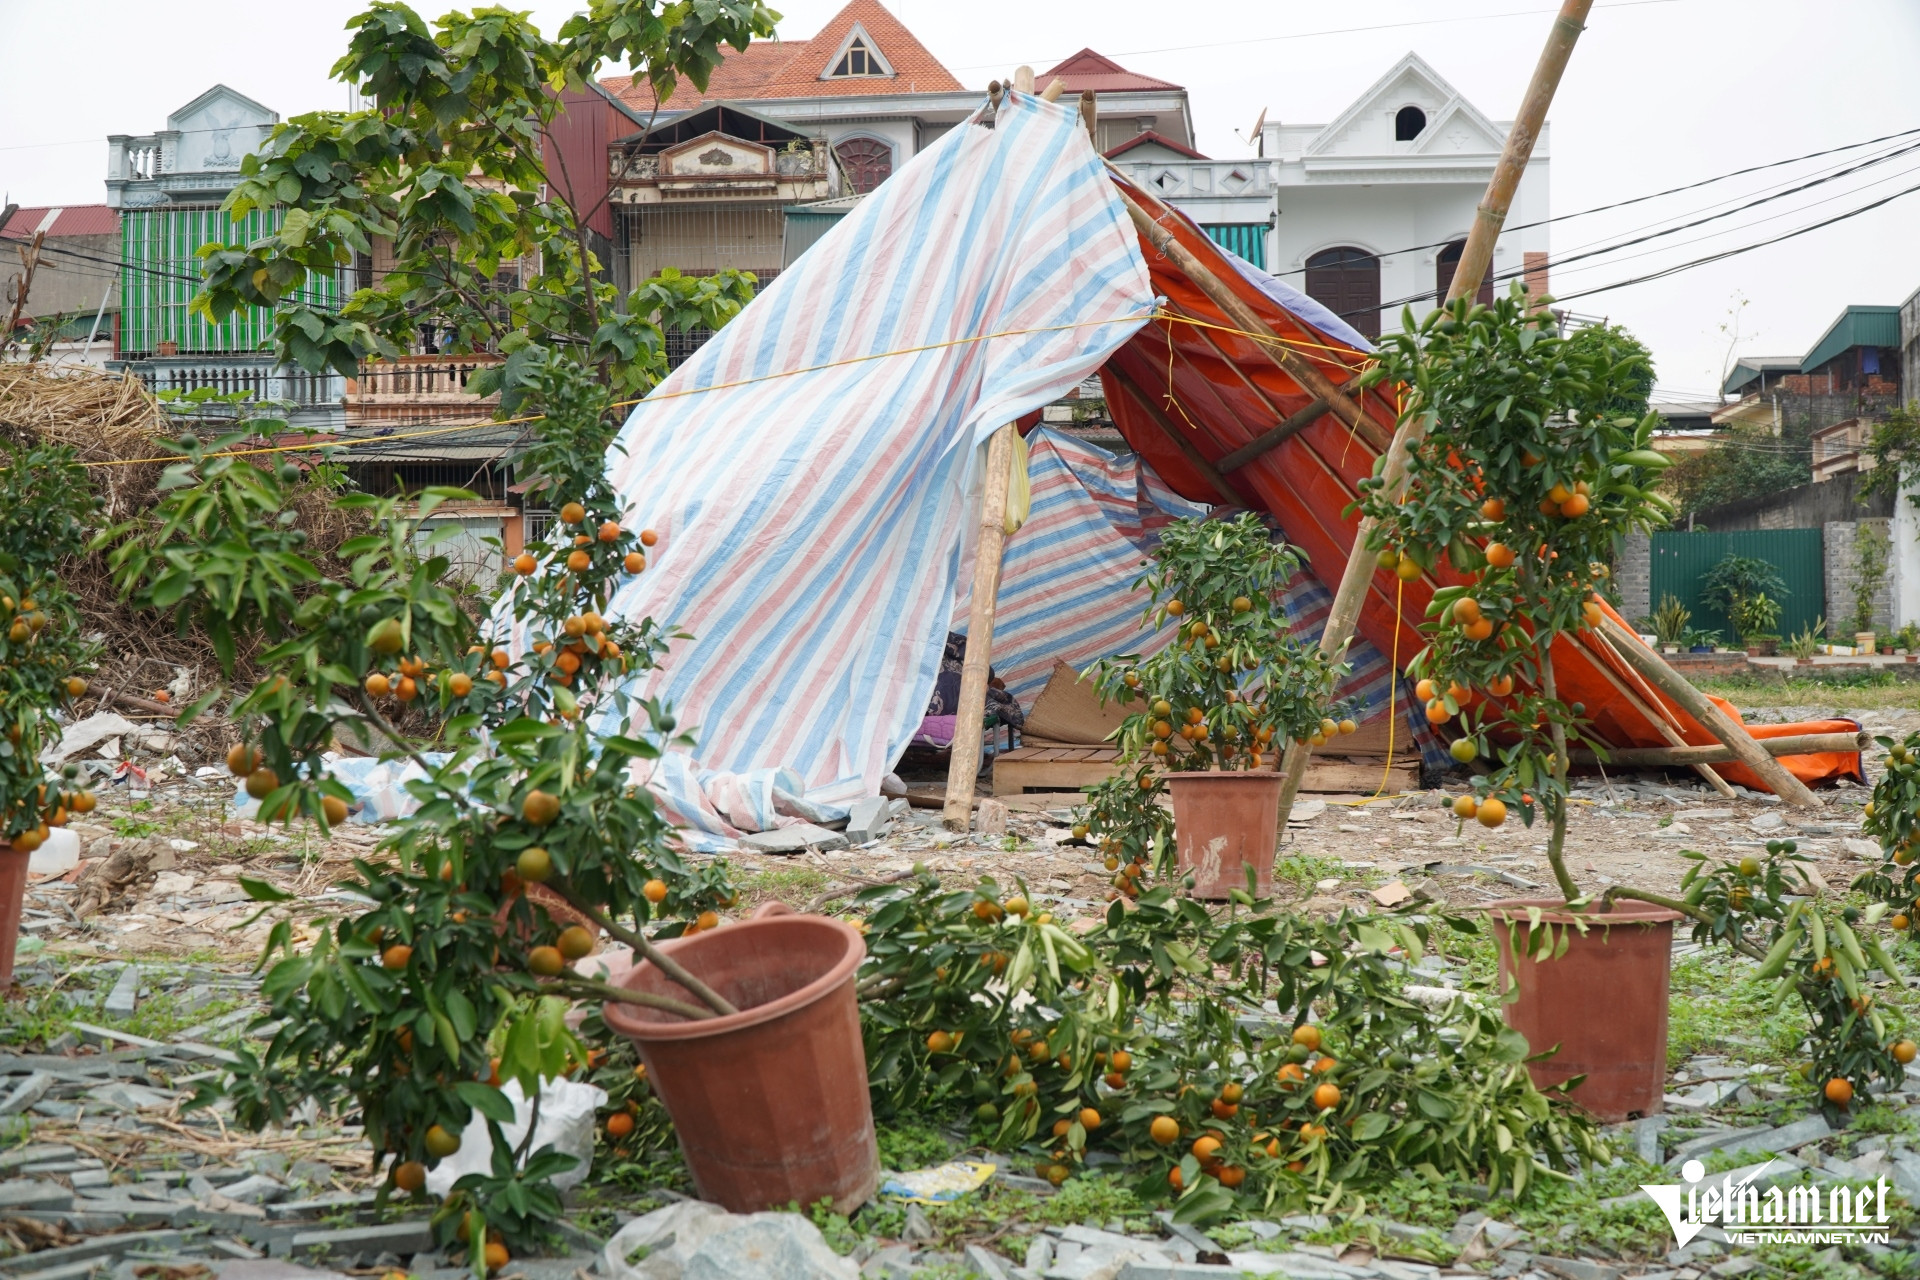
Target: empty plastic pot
[(770, 1104), (13, 894)]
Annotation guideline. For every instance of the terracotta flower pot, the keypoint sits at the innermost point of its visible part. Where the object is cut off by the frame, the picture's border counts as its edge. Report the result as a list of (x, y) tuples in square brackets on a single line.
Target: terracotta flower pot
[(770, 1104), (13, 896), (1225, 820), (1604, 1002)]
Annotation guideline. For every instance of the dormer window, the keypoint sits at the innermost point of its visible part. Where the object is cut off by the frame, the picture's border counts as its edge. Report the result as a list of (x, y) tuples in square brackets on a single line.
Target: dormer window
[(1408, 123), (858, 60)]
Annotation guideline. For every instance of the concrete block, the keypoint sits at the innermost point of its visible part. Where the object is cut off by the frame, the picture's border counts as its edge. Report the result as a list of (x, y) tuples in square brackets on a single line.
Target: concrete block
[(794, 839), (34, 1193), (26, 1093), (120, 1001), (868, 819), (991, 818), (390, 1237)]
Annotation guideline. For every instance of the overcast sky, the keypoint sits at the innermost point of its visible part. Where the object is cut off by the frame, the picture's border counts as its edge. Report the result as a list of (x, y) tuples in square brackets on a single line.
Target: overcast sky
[(1659, 93)]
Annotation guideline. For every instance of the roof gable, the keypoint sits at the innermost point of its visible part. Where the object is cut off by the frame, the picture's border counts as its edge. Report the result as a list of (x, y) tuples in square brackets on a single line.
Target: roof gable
[(1150, 138), (1366, 127), (1089, 70), (913, 68), (216, 129), (1459, 129)]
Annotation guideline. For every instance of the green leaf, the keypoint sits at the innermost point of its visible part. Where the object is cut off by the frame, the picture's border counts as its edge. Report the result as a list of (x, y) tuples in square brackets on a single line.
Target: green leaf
[(261, 891), (486, 1099)]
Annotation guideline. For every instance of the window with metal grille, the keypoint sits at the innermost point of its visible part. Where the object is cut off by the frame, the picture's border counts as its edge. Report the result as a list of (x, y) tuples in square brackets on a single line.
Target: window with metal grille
[(1247, 239), (858, 60), (867, 162), (1449, 263), (1346, 281)]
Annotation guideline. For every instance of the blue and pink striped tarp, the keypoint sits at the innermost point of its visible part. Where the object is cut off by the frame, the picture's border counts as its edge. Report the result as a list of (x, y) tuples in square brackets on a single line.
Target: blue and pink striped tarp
[(814, 469)]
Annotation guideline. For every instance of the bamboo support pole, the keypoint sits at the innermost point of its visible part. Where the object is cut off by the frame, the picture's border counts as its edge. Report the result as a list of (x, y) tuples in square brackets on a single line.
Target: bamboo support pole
[(1745, 748), (1799, 744), (964, 764), (1491, 216), (1652, 709)]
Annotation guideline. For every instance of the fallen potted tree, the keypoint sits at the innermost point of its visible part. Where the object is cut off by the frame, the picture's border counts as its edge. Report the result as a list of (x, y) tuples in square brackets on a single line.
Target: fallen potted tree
[(1233, 682), (44, 505)]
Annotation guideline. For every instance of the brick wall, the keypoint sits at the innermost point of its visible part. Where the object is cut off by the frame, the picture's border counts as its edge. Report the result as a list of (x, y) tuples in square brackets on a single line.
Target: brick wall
[(1841, 555), (1633, 576)]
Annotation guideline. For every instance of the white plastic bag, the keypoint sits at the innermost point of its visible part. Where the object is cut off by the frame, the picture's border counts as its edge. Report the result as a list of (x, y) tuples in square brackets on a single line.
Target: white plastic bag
[(567, 1111)]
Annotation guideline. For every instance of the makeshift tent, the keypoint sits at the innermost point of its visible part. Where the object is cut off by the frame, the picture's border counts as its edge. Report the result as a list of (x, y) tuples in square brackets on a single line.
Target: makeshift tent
[(814, 470)]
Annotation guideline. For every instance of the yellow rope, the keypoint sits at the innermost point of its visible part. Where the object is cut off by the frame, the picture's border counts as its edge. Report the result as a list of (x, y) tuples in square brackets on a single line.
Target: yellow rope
[(1158, 313), (1393, 683)]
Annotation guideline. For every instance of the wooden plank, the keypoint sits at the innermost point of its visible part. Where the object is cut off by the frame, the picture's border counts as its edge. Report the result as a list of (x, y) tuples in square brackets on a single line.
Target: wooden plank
[(1013, 775)]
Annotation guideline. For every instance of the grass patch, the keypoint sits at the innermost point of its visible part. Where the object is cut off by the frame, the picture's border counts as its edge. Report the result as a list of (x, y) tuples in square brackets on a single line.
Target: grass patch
[(39, 1014), (1716, 1006), (788, 884), (1839, 687), (911, 1144)]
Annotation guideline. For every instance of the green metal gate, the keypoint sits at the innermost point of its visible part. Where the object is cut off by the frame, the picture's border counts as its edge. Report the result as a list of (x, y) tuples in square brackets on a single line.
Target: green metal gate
[(1681, 560)]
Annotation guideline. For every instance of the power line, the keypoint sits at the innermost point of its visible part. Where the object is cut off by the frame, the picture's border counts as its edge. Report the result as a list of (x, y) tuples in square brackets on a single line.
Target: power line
[(1691, 186)]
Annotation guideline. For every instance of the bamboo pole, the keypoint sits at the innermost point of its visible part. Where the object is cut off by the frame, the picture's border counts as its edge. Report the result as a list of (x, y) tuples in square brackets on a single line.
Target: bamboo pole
[(964, 764), (1696, 704), (1654, 711), (1799, 744), (1490, 217)]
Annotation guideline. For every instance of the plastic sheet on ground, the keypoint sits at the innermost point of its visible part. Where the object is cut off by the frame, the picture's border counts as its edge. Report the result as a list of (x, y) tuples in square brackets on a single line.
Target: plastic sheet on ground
[(567, 1110)]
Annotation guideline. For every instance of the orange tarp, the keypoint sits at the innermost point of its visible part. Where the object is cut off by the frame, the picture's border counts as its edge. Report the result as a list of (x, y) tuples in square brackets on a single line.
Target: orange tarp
[(1190, 386)]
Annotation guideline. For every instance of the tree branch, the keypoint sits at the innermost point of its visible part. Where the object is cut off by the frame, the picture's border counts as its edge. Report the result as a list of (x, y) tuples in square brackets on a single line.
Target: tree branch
[(626, 995), (666, 964), (1557, 841), (1739, 944)]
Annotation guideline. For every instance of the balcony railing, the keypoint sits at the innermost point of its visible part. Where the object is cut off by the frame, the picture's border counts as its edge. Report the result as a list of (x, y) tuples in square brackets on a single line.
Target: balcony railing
[(422, 388), (267, 382)]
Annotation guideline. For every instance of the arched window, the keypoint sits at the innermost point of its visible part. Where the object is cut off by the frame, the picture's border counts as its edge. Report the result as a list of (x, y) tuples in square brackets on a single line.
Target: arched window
[(1347, 282), (1449, 262), (1407, 124), (867, 162)]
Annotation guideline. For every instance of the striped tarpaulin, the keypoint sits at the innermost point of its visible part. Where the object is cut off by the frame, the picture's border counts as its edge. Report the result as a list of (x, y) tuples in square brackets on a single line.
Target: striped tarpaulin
[(814, 503), (1066, 590)]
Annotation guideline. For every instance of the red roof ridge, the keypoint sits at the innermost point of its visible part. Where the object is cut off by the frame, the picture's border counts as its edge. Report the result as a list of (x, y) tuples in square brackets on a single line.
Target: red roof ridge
[(915, 69), (1088, 69), (69, 220), (1154, 135)]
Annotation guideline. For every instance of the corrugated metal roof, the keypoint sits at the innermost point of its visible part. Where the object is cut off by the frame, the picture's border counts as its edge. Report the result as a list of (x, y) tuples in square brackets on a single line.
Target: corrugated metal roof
[(1856, 327), (1748, 368), (61, 220)]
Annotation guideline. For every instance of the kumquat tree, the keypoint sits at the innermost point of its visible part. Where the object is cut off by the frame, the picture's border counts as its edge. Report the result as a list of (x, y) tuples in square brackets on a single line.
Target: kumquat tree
[(1521, 479)]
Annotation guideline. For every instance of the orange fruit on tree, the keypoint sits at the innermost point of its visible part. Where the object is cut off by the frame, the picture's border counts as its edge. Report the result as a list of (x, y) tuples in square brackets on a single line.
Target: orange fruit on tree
[(1478, 631), (1499, 555), (1204, 1147), (334, 808), (1289, 1075), (1437, 712), (1407, 570), (609, 531), (575, 942), (524, 564), (460, 684), (1232, 1176), (572, 513), (410, 1176), (1904, 1051), (1576, 506), (501, 659), (579, 561), (1089, 1119), (634, 562), (619, 1124), (545, 962), (1164, 1130), (396, 956), (1466, 610), (497, 1255), (1312, 1132), (406, 690), (1425, 690), (1174, 1179), (1558, 494), (75, 686), (1493, 509), (1222, 1109), (262, 782), (648, 537), (540, 808), (1500, 686), (1492, 812), (378, 686), (1326, 1096), (1061, 1127), (1839, 1091), (708, 920), (242, 760), (1232, 1091), (1325, 1065), (1121, 1060), (940, 1042), (1592, 613), (534, 865), (1465, 806), (1307, 1036), (654, 891)]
